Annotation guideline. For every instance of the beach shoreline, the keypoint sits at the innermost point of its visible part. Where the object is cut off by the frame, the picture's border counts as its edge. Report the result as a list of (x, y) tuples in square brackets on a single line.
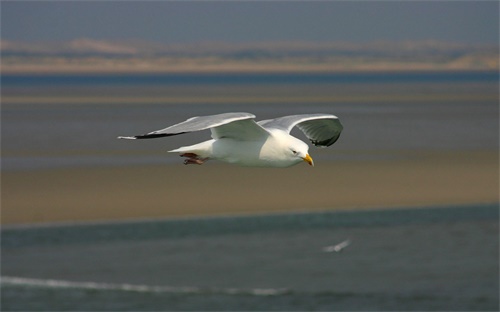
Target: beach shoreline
[(94, 194)]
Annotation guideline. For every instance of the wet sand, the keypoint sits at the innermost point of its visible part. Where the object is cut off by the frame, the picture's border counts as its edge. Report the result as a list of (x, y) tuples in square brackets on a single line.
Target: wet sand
[(412, 179)]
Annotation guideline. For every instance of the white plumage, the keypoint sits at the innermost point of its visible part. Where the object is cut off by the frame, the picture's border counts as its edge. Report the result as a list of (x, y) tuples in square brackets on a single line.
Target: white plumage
[(238, 139)]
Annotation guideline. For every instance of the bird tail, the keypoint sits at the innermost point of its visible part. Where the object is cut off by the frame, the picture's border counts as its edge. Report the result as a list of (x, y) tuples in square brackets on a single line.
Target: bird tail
[(183, 149), (203, 149)]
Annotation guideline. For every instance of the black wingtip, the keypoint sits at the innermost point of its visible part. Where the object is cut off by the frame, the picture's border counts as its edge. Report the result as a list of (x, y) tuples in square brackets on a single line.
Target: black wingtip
[(149, 136), (326, 143)]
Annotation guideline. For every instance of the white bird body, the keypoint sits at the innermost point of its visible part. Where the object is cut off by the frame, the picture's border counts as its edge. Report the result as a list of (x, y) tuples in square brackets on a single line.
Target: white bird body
[(274, 151), (238, 139)]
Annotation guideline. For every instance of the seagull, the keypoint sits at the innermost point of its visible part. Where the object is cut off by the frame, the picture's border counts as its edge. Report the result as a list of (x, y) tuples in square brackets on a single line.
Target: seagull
[(238, 139), (337, 248)]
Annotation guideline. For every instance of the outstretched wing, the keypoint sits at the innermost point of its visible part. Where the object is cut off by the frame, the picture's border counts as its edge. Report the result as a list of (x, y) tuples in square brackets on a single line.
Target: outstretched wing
[(321, 129), (231, 125)]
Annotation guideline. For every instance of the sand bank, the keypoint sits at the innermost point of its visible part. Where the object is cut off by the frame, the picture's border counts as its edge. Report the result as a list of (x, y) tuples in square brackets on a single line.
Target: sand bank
[(117, 193)]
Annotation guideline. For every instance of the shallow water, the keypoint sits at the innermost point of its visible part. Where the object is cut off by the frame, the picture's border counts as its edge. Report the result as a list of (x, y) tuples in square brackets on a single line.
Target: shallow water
[(410, 259), (39, 136), (380, 112)]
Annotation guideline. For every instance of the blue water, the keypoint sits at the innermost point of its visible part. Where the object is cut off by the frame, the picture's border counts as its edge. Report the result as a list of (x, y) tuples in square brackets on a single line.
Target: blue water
[(206, 227), (248, 78), (412, 259)]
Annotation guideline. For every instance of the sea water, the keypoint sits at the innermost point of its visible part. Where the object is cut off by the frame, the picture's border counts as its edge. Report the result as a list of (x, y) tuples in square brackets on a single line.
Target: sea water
[(442, 258), (396, 111), (249, 78)]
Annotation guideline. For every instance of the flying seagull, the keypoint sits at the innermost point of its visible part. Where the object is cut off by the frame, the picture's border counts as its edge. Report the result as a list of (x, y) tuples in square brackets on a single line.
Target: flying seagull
[(337, 248), (238, 139)]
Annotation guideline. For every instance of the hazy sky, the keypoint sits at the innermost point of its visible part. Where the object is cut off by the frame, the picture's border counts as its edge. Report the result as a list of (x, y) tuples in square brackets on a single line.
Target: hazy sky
[(193, 21)]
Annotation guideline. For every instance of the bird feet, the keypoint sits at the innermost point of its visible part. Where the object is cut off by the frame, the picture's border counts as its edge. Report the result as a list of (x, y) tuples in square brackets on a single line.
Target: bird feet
[(193, 159)]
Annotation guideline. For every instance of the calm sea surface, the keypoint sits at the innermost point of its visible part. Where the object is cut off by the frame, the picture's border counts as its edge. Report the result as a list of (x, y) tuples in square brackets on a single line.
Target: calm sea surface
[(411, 259), (249, 78)]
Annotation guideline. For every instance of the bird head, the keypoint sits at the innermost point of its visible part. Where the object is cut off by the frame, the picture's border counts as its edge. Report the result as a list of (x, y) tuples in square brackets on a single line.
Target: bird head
[(299, 150)]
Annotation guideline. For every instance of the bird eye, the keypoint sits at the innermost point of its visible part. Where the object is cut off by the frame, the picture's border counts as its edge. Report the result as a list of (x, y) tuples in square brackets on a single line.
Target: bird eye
[(294, 152)]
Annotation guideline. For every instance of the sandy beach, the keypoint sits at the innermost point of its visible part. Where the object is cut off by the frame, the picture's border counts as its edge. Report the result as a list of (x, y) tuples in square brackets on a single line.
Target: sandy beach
[(163, 191)]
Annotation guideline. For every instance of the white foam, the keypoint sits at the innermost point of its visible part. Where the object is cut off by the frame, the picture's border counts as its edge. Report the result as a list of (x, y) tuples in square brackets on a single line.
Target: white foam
[(51, 283)]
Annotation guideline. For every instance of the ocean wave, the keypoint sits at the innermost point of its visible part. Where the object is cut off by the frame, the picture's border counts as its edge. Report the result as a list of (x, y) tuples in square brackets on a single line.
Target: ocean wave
[(52, 283)]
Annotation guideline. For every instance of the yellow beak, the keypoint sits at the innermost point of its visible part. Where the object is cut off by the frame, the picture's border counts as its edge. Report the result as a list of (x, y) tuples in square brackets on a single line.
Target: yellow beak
[(308, 160)]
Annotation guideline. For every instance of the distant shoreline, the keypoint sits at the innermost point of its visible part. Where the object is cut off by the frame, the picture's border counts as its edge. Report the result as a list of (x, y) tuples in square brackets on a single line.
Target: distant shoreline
[(86, 55), (201, 65)]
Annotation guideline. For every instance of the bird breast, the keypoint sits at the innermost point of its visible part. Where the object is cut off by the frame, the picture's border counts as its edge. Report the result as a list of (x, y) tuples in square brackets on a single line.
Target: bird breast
[(266, 153)]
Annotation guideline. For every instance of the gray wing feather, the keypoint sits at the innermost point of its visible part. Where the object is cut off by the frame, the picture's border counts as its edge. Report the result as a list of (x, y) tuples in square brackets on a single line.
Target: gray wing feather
[(221, 125), (243, 129), (321, 129)]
